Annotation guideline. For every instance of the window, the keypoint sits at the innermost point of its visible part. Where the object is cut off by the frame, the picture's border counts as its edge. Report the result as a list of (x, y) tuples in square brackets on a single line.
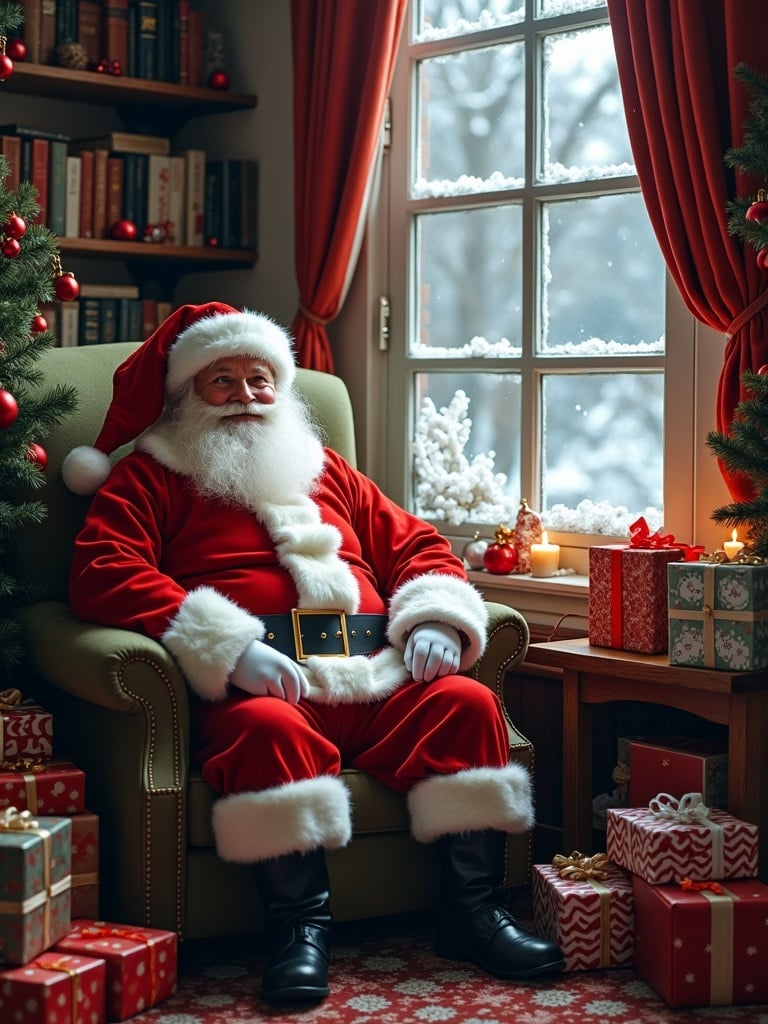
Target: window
[(529, 310)]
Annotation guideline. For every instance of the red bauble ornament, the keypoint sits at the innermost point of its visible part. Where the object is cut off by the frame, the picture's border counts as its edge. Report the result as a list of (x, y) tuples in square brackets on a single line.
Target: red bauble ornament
[(36, 453), (757, 212), (103, 66), (763, 369), (762, 259), (9, 409), (124, 230), (6, 67), (15, 226), (116, 68), (501, 556), (66, 287), (16, 49), (10, 248), (218, 79), (39, 324)]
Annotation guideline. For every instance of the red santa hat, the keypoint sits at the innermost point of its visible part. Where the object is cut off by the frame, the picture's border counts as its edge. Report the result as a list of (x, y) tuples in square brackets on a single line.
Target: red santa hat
[(190, 339)]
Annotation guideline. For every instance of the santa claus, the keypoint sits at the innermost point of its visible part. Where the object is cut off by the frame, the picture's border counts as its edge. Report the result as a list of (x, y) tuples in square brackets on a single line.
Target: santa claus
[(318, 626)]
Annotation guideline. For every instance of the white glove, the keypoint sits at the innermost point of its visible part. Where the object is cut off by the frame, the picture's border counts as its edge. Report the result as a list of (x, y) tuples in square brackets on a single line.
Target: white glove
[(264, 672), (433, 650)]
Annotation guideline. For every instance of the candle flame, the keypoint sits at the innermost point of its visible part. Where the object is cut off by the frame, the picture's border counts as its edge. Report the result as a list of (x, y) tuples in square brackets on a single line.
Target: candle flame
[(544, 538), (733, 536)]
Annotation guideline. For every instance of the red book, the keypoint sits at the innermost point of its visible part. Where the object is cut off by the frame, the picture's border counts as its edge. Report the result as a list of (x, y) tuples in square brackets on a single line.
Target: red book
[(40, 153), (86, 193), (196, 48), (182, 43), (114, 18), (115, 175), (10, 147), (148, 316), (100, 157), (89, 28)]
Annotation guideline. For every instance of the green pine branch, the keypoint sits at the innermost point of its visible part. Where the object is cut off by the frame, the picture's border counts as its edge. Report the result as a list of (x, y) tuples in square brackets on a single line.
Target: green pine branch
[(751, 157)]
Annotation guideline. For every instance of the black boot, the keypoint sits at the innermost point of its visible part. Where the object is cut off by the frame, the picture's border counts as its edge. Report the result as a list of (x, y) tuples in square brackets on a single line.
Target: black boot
[(474, 924), (294, 890)]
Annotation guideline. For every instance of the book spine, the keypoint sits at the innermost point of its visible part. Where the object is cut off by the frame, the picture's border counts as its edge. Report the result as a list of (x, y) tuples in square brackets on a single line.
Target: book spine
[(146, 39), (158, 190), (196, 48), (100, 157), (249, 205), (194, 231), (48, 32), (232, 201), (181, 48), (66, 21), (72, 205), (89, 29), (32, 28), (40, 156), (213, 202), (10, 147), (148, 316), (176, 200), (86, 193), (165, 41), (115, 173), (68, 320), (108, 321), (114, 30), (89, 322), (134, 321), (57, 187)]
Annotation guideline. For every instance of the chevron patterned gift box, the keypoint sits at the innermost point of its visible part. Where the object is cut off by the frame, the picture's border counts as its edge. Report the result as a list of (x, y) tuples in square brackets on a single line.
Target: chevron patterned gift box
[(675, 839), (591, 919)]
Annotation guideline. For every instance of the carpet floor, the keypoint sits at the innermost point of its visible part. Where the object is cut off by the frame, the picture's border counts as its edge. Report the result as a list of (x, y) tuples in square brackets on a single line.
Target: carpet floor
[(385, 972)]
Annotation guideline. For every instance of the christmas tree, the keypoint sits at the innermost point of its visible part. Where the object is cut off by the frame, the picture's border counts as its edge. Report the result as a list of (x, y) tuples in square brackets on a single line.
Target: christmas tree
[(30, 275), (748, 216)]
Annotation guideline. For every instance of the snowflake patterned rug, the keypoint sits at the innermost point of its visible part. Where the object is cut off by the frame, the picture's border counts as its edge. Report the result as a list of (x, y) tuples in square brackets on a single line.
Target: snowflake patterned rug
[(386, 973)]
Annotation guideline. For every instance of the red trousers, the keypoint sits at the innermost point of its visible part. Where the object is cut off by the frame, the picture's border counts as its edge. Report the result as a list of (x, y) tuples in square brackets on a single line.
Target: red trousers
[(246, 744)]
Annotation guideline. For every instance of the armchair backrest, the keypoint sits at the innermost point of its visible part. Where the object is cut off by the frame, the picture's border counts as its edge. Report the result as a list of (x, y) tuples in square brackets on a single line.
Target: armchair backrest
[(46, 552)]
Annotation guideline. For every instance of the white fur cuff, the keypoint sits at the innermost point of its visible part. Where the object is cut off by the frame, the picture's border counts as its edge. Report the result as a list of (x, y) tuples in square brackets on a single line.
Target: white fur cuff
[(207, 636), (445, 599), (297, 817), (471, 801)]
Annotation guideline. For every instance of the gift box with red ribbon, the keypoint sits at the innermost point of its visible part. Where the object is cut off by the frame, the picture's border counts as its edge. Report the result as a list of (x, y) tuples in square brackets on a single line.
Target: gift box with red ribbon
[(703, 946), (85, 865), (141, 963), (26, 729), (672, 839), (42, 787), (584, 904), (58, 989), (35, 858)]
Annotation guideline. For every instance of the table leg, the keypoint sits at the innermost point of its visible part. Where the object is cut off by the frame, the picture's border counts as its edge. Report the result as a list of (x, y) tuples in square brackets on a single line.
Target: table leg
[(577, 766), (747, 766)]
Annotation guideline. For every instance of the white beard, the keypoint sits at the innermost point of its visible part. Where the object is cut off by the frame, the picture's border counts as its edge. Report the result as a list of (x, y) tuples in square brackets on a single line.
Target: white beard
[(273, 457)]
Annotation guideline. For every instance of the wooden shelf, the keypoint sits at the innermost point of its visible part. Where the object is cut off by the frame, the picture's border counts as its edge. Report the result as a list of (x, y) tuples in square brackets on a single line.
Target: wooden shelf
[(202, 256)]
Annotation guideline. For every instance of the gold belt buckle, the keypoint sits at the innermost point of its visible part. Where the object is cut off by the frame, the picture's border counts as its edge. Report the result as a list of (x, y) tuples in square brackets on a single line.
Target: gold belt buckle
[(298, 640)]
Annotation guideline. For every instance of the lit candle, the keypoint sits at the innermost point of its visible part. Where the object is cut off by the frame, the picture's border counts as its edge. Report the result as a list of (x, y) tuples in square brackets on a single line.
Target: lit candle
[(732, 547), (545, 557)]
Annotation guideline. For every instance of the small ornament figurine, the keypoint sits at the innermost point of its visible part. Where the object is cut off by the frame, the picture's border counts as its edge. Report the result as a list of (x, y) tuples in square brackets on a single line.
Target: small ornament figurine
[(473, 552), (528, 530), (72, 55), (500, 557)]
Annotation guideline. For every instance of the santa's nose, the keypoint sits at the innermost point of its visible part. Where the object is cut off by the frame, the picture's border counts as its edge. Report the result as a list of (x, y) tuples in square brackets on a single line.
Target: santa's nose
[(246, 392)]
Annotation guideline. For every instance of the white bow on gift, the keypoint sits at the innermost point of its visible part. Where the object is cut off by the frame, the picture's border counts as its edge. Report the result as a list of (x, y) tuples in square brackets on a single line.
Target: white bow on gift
[(690, 809), (12, 820)]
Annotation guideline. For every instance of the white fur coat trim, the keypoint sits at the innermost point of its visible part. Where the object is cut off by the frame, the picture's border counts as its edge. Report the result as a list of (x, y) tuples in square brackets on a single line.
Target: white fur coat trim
[(299, 816), (445, 599), (472, 801)]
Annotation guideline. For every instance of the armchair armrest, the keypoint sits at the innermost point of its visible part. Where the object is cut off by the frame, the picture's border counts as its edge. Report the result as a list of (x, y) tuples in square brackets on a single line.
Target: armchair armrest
[(121, 713), (508, 638)]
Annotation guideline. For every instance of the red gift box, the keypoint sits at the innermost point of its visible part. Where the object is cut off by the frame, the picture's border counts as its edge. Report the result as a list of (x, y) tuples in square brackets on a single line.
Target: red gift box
[(660, 847), (141, 963), (85, 865), (26, 729), (61, 988), (628, 597), (42, 787), (702, 948), (678, 765), (590, 919)]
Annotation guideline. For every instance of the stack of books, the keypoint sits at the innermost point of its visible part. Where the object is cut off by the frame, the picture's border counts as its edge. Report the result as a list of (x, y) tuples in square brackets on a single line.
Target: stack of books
[(104, 313)]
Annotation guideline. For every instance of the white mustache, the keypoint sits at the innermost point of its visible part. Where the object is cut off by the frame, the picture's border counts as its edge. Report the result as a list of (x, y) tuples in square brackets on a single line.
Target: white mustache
[(252, 409)]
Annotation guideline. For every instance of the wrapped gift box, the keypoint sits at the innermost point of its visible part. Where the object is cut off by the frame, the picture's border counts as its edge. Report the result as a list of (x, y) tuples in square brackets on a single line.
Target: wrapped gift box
[(628, 597), (42, 787), (26, 729), (718, 615), (54, 989), (703, 948), (85, 865), (591, 920), (35, 857), (661, 850), (141, 963), (677, 765)]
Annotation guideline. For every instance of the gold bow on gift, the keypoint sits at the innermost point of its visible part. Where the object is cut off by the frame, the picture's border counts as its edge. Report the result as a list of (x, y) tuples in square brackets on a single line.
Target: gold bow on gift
[(578, 868), (9, 699), (22, 764), (12, 820)]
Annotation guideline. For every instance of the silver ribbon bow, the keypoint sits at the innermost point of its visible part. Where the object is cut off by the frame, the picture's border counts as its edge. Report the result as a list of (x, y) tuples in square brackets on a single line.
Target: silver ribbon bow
[(12, 820), (689, 809)]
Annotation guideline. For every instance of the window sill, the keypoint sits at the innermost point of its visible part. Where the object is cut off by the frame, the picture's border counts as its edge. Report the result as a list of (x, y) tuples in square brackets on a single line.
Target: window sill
[(543, 601)]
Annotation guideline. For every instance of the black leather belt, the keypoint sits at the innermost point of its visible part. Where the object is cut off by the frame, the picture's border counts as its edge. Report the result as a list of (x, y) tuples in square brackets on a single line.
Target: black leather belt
[(324, 633)]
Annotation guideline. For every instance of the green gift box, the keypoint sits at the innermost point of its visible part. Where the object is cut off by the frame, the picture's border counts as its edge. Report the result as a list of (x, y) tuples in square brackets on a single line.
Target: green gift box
[(718, 615), (35, 877)]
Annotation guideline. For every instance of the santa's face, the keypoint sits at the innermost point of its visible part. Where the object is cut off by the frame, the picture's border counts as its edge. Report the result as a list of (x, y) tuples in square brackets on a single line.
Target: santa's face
[(236, 381)]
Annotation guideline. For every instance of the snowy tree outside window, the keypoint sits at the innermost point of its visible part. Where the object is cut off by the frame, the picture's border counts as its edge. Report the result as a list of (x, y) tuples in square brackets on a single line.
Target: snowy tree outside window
[(536, 306)]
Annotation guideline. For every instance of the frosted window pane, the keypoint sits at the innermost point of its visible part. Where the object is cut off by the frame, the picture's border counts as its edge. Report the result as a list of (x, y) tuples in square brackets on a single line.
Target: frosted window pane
[(468, 285), (466, 463), (602, 439), (603, 280), (549, 8), (472, 115), (584, 132), (439, 18)]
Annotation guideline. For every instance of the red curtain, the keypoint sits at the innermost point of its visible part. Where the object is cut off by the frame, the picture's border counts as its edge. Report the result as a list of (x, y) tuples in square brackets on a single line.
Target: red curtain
[(343, 59), (684, 109)]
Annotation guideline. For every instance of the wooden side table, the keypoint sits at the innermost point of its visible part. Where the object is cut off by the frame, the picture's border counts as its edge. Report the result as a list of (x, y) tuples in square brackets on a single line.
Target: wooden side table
[(595, 675)]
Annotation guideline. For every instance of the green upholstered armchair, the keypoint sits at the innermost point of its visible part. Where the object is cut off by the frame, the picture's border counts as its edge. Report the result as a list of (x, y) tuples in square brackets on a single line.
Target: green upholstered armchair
[(121, 714)]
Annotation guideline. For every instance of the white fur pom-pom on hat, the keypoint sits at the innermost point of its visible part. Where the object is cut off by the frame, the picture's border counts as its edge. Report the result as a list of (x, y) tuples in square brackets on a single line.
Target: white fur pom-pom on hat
[(187, 341)]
